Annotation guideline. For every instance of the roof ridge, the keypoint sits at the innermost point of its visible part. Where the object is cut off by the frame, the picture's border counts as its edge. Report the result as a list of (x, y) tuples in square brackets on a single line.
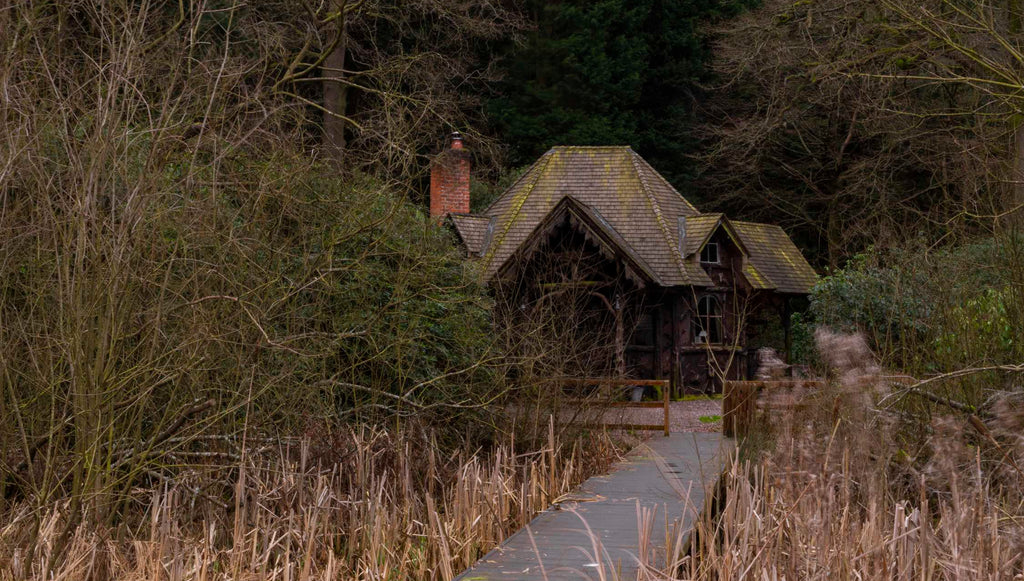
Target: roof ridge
[(673, 248), (666, 182), (707, 235), (517, 206), (592, 147), (770, 225), (515, 183), (725, 222)]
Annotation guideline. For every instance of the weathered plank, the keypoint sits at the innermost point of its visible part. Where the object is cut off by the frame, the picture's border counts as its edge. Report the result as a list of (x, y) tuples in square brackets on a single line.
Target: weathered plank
[(739, 405), (664, 384), (596, 529), (635, 427), (611, 382)]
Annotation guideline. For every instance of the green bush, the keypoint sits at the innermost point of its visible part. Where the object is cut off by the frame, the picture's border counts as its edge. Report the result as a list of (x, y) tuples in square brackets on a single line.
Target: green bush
[(890, 304), (929, 311)]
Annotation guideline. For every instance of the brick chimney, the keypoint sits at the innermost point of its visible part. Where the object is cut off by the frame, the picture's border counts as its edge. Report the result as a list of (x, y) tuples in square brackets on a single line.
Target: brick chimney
[(449, 180)]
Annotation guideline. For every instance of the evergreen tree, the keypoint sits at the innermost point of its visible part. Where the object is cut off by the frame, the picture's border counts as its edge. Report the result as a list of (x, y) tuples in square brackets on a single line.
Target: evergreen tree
[(607, 72)]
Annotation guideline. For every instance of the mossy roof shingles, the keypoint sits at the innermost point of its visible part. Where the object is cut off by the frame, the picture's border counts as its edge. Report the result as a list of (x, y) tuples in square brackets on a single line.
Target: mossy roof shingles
[(637, 202), (698, 230), (472, 230), (776, 257), (754, 277), (640, 207)]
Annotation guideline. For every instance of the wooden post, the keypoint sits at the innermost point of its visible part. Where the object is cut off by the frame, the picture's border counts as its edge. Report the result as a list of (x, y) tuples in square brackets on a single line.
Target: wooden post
[(551, 467), (787, 327), (659, 347), (620, 336), (738, 407), (727, 412), (673, 365), (666, 389), (729, 409)]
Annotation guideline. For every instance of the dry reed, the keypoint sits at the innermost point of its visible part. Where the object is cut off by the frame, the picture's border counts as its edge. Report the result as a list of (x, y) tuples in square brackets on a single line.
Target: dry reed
[(843, 495), (370, 505)]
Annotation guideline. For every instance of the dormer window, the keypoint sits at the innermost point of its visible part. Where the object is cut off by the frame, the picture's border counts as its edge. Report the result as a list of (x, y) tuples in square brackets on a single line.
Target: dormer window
[(709, 254)]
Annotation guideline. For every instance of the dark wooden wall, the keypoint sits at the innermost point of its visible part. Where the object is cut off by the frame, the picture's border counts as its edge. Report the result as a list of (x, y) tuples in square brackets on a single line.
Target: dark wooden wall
[(661, 333), (665, 341)]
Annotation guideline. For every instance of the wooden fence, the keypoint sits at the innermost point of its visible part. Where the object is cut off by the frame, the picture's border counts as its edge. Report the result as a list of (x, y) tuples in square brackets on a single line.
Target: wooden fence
[(739, 406), (606, 398)]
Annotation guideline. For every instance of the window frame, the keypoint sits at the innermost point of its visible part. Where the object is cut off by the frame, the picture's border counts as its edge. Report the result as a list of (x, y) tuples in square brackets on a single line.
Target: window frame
[(711, 322), (718, 255)]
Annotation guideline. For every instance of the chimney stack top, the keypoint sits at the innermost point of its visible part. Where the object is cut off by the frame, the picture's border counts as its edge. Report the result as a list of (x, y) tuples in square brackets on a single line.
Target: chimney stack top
[(449, 180)]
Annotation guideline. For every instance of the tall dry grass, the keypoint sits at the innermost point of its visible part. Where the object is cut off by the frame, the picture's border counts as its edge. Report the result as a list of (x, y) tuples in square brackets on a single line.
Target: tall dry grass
[(177, 264), (367, 504), (845, 492), (839, 492)]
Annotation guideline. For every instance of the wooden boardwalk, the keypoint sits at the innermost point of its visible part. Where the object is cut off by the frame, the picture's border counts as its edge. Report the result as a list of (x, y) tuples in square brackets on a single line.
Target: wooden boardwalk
[(595, 532)]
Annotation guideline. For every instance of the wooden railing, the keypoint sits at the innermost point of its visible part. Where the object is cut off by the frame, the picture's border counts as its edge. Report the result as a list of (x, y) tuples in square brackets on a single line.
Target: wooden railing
[(739, 404), (606, 399)]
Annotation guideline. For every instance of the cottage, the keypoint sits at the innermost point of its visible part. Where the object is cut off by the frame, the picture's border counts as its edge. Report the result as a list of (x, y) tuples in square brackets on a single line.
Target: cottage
[(682, 284)]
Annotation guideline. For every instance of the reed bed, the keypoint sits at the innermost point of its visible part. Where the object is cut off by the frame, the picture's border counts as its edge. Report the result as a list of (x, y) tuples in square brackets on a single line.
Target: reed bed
[(384, 506), (849, 487), (811, 518), (837, 485)]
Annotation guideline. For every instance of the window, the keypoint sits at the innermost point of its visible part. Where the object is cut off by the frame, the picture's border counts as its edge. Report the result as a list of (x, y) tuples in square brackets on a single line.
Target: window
[(709, 253), (707, 325)]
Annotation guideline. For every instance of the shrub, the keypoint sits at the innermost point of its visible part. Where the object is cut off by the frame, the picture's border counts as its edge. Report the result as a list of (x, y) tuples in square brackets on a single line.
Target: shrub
[(178, 270), (928, 311)]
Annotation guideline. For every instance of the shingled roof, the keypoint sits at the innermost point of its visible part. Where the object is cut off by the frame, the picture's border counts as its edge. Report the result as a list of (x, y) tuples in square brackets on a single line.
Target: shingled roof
[(598, 231), (472, 230), (698, 229), (615, 182), (625, 202), (776, 257)]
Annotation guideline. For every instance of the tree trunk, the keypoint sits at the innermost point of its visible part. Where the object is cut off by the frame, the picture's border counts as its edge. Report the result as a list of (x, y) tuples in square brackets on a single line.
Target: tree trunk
[(1017, 179), (335, 97), (620, 339)]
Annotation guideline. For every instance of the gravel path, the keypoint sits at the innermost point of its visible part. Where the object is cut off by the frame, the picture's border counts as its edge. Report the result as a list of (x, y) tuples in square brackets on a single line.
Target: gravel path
[(684, 416)]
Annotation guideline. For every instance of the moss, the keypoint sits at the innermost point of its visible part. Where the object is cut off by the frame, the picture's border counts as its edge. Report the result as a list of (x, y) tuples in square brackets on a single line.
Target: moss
[(699, 397)]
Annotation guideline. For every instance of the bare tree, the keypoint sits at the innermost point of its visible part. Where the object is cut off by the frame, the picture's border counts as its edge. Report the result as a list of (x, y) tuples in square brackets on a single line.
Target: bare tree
[(978, 46), (176, 271), (393, 75), (828, 121)]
